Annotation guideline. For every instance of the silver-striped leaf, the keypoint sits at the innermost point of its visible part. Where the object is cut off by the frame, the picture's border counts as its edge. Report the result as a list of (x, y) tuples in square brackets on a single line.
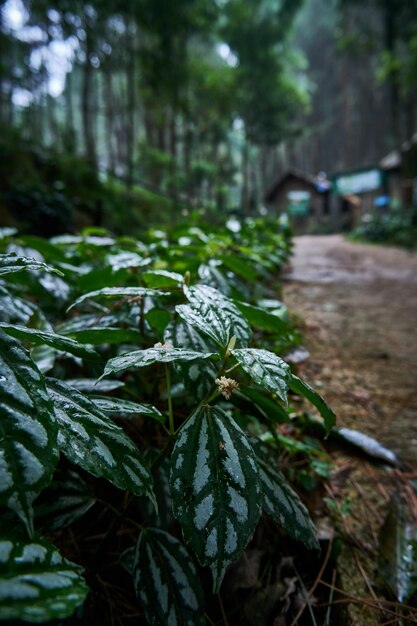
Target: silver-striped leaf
[(58, 342), (66, 499), (14, 309), (280, 502), (92, 385), (92, 440), (266, 369), (214, 314), (144, 358), (11, 263), (197, 377), (37, 584), (215, 488), (166, 581), (301, 388), (117, 292), (28, 431), (121, 407)]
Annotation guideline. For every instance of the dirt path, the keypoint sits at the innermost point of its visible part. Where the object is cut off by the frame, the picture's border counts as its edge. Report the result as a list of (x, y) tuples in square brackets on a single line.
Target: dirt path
[(359, 304)]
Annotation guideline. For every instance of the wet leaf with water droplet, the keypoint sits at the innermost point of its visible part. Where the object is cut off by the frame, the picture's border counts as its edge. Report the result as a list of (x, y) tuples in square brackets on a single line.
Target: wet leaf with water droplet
[(166, 580), (28, 439), (90, 439), (37, 584), (266, 369), (280, 501), (214, 315), (215, 488)]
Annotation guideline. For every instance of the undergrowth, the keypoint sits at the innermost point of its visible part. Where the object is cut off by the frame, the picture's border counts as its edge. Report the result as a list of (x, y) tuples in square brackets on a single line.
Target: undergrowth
[(145, 427)]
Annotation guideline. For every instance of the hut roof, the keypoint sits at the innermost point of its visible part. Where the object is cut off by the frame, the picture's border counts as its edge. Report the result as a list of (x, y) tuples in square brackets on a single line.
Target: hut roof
[(319, 185)]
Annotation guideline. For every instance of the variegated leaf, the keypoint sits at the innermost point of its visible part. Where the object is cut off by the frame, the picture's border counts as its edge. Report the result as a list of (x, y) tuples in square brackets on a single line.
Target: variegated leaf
[(198, 377), (37, 584), (215, 488), (58, 342), (90, 439), (91, 385), (144, 358), (119, 406), (15, 309), (301, 388), (28, 435), (280, 501), (166, 581), (214, 315), (11, 263), (266, 369)]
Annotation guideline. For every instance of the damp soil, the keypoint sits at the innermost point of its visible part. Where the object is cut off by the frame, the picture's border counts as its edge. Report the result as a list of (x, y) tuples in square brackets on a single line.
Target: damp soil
[(357, 307)]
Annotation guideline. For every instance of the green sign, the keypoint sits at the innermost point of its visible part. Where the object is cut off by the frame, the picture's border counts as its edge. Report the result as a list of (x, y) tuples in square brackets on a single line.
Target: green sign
[(298, 203), (358, 182)]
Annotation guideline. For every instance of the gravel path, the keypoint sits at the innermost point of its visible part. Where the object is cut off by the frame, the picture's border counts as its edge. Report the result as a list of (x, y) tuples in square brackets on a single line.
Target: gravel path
[(359, 305)]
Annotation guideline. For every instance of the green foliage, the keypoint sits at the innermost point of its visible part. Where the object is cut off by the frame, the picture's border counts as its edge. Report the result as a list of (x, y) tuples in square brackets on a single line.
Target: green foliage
[(398, 227), (173, 351)]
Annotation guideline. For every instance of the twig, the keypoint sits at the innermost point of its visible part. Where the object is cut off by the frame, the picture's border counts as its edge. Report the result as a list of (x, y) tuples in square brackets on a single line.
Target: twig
[(316, 582)]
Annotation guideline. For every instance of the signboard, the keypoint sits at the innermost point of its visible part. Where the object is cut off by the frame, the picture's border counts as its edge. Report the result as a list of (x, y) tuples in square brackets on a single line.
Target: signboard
[(358, 182), (298, 202)]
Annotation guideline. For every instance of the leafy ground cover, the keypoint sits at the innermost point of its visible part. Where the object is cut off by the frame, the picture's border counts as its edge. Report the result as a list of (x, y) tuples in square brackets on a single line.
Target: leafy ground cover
[(146, 430), (396, 227)]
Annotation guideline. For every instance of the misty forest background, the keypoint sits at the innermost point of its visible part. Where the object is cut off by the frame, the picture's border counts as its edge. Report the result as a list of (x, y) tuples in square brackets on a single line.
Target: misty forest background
[(124, 114)]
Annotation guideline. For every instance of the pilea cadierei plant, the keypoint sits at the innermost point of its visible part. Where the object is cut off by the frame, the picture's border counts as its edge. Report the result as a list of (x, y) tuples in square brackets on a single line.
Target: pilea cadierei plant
[(208, 471)]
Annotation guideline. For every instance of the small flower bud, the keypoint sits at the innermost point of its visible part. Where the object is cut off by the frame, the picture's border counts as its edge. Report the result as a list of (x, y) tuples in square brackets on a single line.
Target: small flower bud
[(164, 346), (226, 386)]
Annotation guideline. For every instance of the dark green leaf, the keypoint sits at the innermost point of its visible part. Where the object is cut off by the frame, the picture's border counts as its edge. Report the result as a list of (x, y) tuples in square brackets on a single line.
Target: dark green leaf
[(215, 488), (58, 342), (65, 500), (162, 278), (10, 263), (266, 369), (303, 389), (261, 319), (143, 358), (166, 581), (109, 335), (267, 405), (28, 430), (117, 406), (90, 439), (280, 501), (158, 319), (198, 376), (37, 583), (117, 292), (123, 260), (239, 266)]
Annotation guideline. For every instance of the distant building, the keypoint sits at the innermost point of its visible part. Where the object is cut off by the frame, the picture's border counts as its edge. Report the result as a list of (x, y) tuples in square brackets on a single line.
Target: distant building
[(309, 201), (400, 168)]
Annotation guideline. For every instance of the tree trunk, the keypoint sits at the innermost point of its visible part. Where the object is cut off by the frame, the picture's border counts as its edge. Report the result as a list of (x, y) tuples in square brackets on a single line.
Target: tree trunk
[(86, 109)]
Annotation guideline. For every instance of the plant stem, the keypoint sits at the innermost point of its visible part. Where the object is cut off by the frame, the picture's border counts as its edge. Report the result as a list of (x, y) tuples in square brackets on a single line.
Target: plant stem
[(170, 411)]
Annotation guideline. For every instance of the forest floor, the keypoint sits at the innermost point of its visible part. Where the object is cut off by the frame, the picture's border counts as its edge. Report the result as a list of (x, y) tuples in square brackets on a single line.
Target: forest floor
[(358, 308)]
